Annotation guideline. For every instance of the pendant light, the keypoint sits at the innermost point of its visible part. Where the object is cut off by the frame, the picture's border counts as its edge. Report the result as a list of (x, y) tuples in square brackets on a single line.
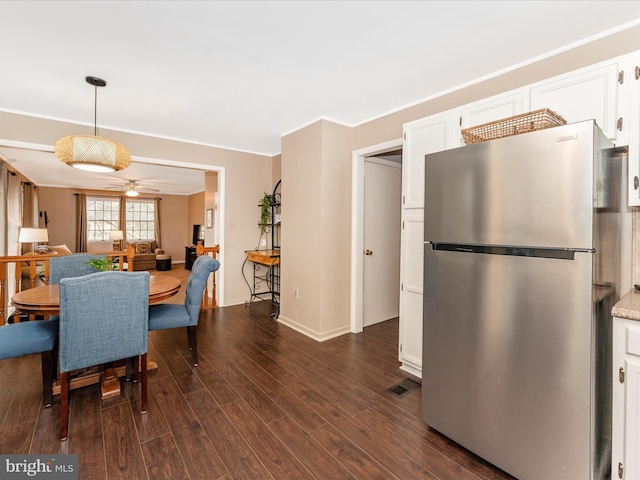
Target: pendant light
[(93, 153)]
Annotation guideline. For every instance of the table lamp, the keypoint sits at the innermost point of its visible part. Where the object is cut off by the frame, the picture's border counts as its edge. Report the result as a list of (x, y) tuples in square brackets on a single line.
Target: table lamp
[(116, 236), (33, 235)]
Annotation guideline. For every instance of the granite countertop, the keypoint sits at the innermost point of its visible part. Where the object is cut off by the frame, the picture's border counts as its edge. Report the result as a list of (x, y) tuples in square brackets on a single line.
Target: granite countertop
[(628, 306)]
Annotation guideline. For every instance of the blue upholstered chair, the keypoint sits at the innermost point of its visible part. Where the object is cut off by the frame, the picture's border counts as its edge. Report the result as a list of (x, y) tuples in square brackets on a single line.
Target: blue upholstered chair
[(25, 338), (164, 316), (104, 317), (74, 265)]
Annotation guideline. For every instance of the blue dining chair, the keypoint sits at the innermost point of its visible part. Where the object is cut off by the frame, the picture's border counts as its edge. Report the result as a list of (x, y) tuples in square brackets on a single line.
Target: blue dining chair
[(25, 338), (104, 317), (164, 315), (73, 265)]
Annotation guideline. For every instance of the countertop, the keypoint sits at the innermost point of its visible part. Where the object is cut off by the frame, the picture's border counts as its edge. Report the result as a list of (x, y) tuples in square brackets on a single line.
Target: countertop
[(628, 306)]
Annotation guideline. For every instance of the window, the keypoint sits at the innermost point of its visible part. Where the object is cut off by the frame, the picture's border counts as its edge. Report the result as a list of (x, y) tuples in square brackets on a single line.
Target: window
[(141, 220), (102, 217)]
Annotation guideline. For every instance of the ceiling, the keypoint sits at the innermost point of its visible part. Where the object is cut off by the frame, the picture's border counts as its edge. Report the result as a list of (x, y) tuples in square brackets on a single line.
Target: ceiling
[(240, 74)]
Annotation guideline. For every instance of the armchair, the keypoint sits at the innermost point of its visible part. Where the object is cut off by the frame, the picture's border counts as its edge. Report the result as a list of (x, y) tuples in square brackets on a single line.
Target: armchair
[(103, 317), (25, 338), (142, 255), (163, 316)]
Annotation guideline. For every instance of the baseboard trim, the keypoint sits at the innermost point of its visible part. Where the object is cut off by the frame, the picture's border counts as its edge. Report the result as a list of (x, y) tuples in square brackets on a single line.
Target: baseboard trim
[(317, 336)]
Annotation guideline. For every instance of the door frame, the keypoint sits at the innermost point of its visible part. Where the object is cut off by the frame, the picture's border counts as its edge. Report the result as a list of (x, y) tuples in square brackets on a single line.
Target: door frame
[(357, 227)]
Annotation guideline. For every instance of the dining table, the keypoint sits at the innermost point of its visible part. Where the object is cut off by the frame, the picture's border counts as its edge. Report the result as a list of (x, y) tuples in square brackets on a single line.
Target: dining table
[(45, 300)]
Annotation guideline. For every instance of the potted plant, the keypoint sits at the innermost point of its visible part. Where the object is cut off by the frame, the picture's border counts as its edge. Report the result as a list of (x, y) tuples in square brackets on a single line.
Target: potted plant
[(265, 211), (102, 264)]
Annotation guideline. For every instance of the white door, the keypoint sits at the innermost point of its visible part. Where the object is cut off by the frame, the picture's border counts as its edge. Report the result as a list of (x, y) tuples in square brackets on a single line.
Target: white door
[(381, 266)]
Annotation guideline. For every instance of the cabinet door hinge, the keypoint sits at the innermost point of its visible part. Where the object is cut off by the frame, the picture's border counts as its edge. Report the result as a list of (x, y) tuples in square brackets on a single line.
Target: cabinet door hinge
[(637, 70), (401, 352), (621, 77), (460, 121), (403, 225), (620, 470), (402, 287), (404, 135), (619, 124), (403, 199), (621, 375)]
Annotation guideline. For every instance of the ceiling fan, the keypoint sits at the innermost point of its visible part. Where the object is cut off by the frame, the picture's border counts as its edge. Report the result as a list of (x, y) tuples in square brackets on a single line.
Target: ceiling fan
[(131, 188)]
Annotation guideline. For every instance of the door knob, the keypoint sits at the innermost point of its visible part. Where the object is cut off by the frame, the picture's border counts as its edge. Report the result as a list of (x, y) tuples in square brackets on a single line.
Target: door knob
[(368, 252)]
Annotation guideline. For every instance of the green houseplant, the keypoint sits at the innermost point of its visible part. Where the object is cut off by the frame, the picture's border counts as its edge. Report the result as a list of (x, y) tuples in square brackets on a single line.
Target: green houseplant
[(102, 264), (265, 211)]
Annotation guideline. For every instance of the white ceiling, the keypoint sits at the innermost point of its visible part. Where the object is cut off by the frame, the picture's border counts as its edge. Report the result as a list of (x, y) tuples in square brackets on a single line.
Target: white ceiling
[(239, 74)]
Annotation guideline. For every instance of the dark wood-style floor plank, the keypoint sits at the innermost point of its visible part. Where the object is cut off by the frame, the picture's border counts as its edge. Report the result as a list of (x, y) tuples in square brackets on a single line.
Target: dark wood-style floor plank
[(200, 457), (316, 459), (85, 431), (122, 447), (278, 460), (163, 460)]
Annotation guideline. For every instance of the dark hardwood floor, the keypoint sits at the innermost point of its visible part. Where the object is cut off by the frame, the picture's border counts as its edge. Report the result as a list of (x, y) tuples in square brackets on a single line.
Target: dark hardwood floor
[(265, 403)]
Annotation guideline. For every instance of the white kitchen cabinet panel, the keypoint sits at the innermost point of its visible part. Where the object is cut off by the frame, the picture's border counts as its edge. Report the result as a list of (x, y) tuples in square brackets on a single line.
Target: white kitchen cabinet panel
[(585, 94), (428, 135), (411, 274), (631, 98), (491, 109), (626, 399)]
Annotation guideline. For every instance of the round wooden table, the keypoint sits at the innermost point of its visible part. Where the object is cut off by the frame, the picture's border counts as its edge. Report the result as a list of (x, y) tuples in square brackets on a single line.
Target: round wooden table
[(46, 299)]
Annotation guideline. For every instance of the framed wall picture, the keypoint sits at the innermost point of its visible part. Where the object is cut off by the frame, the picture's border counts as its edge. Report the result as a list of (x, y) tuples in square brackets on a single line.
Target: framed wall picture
[(209, 217)]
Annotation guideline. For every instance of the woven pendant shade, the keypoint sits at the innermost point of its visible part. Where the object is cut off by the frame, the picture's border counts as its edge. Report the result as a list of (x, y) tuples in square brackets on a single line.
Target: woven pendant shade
[(91, 153)]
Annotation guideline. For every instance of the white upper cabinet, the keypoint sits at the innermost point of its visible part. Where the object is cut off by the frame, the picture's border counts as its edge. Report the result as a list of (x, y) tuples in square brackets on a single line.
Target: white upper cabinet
[(630, 98), (428, 135), (585, 94), (491, 109)]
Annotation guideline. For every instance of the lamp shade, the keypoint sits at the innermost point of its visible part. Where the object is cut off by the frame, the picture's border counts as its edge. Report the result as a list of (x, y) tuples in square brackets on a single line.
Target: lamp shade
[(116, 235), (31, 235), (96, 154)]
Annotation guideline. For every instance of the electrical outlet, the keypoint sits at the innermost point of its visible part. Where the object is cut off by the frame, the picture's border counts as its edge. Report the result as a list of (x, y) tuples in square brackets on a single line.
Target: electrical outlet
[(295, 293), (233, 224)]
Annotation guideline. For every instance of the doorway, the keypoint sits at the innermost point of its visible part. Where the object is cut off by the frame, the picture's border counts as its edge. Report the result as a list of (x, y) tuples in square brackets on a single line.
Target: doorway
[(382, 217), (386, 152)]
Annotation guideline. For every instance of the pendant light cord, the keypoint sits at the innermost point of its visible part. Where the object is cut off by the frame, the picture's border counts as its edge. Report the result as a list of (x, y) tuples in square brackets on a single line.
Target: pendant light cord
[(95, 111)]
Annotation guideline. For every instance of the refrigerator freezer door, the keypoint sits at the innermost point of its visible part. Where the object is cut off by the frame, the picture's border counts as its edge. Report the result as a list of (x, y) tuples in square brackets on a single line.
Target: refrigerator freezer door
[(534, 190), (507, 359)]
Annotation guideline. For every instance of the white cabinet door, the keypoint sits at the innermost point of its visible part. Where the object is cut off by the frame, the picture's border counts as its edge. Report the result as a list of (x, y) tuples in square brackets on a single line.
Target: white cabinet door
[(630, 97), (585, 94), (491, 109), (411, 268), (625, 455), (618, 393), (632, 422), (428, 135)]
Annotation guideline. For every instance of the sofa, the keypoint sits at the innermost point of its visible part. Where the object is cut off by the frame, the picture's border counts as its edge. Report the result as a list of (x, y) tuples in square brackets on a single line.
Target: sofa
[(142, 255)]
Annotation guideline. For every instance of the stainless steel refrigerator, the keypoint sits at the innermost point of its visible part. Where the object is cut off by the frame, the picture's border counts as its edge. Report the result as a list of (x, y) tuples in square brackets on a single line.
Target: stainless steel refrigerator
[(522, 245)]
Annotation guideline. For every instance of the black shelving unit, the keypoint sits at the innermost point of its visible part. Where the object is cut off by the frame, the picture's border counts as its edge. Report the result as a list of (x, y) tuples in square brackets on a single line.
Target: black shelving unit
[(265, 283)]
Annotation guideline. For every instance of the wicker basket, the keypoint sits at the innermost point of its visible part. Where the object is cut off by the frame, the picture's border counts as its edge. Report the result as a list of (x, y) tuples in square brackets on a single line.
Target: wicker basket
[(523, 123)]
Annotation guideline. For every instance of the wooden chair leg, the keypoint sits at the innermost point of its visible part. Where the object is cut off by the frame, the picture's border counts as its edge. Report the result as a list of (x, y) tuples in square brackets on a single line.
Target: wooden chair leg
[(143, 383), (193, 344), (46, 359), (134, 368), (64, 405)]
